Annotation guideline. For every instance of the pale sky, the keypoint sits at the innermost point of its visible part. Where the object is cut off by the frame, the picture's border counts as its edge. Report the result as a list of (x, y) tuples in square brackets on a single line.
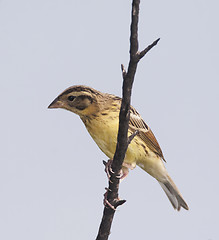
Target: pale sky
[(52, 178)]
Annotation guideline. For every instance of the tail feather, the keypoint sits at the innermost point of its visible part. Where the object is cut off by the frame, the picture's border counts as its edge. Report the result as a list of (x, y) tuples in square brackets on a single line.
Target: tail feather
[(173, 194)]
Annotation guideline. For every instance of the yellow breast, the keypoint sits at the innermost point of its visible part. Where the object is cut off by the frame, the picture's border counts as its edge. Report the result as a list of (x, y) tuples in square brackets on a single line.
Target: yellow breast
[(104, 129)]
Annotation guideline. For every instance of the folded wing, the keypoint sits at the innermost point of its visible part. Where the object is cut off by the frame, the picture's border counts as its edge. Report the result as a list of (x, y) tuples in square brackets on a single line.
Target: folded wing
[(145, 133)]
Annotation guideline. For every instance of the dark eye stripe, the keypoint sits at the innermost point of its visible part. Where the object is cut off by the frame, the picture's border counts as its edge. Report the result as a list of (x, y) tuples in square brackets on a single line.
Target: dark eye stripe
[(81, 107)]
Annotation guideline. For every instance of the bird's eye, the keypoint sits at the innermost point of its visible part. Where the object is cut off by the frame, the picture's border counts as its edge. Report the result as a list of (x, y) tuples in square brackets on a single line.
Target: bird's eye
[(71, 98)]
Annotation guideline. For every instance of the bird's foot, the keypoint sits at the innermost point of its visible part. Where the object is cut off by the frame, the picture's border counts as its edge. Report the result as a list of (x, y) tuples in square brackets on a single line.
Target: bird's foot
[(123, 173), (105, 200), (108, 168), (117, 202)]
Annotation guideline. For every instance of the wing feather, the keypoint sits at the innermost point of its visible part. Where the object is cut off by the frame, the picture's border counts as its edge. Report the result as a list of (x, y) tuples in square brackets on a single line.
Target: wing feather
[(145, 133)]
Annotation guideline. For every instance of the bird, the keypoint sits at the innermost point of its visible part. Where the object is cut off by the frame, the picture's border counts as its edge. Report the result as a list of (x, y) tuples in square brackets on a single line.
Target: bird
[(100, 114)]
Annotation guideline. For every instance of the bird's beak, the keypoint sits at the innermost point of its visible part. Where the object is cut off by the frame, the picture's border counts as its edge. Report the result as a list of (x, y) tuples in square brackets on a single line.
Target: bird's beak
[(56, 104)]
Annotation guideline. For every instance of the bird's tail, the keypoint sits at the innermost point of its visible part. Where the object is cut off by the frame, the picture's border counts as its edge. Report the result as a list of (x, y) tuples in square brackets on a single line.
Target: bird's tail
[(173, 194)]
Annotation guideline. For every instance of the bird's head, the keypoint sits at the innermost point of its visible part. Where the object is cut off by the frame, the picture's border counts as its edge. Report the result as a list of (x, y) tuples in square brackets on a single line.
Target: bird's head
[(79, 99)]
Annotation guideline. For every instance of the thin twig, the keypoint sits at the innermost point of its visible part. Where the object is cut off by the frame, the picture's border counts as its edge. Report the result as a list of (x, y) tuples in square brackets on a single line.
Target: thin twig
[(123, 71), (148, 48), (132, 136)]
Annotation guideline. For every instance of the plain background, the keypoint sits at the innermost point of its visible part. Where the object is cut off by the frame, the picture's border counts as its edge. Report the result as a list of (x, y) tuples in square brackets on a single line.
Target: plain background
[(51, 173)]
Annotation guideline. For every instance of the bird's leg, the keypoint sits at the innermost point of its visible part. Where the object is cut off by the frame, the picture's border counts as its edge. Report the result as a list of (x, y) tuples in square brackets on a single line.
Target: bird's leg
[(125, 170), (108, 168)]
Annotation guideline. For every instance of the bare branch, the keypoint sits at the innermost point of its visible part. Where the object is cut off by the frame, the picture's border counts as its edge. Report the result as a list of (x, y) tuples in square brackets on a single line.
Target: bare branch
[(134, 28), (112, 200), (148, 48)]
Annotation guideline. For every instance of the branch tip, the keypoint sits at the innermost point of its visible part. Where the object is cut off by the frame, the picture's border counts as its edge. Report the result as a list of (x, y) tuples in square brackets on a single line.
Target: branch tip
[(156, 41), (119, 203), (104, 162), (123, 70), (148, 48)]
